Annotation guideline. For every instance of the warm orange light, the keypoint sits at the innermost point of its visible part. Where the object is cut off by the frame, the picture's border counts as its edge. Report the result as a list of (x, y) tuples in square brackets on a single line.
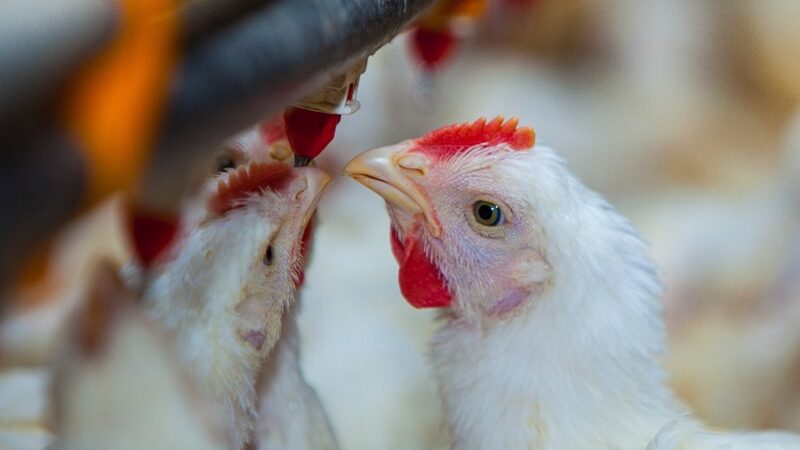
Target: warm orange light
[(443, 12), (115, 102)]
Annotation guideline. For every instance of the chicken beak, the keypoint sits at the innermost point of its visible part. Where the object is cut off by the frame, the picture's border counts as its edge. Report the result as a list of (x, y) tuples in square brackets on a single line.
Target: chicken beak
[(316, 182), (386, 170)]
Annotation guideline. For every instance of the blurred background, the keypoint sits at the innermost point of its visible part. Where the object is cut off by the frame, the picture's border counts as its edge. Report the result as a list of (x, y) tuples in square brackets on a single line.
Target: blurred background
[(683, 113)]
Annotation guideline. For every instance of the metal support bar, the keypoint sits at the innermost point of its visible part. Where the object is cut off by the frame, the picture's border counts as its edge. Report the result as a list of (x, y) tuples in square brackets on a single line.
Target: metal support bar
[(242, 63), (247, 73)]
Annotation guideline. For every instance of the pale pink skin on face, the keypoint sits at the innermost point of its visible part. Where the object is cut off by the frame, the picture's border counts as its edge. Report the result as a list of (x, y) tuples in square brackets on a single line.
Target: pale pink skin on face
[(508, 303), (427, 164), (256, 339), (498, 263)]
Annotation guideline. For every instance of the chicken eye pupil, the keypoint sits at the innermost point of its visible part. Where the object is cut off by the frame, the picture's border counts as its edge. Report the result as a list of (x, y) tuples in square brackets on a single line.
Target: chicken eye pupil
[(268, 256), (487, 213), (225, 164)]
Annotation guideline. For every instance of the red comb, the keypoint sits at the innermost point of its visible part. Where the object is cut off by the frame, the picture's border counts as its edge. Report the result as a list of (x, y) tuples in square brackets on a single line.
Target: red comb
[(246, 180), (453, 139)]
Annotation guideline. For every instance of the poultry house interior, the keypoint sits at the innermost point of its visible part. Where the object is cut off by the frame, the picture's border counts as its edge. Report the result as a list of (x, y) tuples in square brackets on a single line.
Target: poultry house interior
[(164, 264)]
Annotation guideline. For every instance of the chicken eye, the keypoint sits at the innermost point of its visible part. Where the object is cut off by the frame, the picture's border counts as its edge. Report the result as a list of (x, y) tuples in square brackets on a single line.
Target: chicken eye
[(487, 213), (268, 257), (225, 163)]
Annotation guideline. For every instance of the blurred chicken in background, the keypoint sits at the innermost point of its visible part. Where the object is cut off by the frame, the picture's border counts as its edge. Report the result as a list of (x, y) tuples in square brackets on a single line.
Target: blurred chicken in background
[(223, 290), (29, 329), (734, 291), (117, 384)]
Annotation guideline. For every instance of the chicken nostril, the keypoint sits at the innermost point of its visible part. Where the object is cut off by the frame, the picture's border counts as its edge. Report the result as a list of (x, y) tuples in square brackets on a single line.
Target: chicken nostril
[(298, 188), (413, 162), (299, 195)]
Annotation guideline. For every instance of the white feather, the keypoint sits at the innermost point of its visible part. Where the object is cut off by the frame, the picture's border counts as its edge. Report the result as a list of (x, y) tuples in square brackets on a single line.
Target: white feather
[(579, 366)]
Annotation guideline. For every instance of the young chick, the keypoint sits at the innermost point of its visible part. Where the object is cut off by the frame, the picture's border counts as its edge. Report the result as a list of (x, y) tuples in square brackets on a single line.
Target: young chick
[(225, 286), (553, 322)]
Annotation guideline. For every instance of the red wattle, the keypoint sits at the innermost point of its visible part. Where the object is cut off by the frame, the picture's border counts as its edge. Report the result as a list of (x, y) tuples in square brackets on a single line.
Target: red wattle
[(421, 282), (433, 47), (309, 132), (151, 234)]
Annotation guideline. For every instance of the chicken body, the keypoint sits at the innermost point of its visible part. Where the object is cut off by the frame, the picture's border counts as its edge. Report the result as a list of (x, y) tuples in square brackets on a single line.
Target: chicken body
[(236, 342), (553, 328), (117, 385), (290, 414), (222, 291)]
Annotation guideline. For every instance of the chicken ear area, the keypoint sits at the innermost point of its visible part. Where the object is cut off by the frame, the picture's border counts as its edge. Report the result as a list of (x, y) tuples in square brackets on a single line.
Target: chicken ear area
[(421, 282)]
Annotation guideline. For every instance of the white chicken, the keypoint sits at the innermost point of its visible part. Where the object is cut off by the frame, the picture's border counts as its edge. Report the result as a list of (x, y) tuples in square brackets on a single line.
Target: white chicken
[(220, 261), (290, 414), (553, 327), (225, 286), (117, 385)]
